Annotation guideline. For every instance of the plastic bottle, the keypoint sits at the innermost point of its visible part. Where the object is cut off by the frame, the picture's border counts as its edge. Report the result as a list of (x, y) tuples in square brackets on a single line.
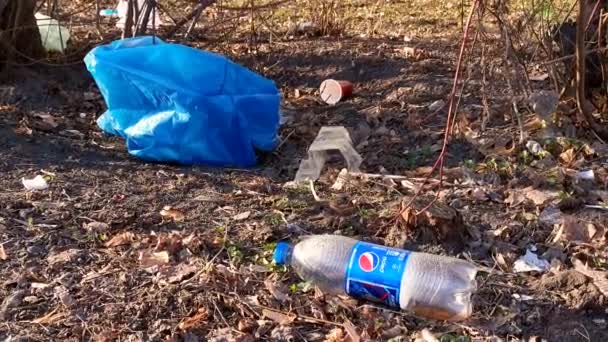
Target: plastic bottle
[(428, 285)]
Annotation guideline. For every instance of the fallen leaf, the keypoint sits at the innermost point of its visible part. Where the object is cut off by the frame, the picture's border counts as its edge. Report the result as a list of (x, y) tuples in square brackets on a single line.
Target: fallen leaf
[(246, 325), (201, 315), (63, 257), (49, 318), (352, 331), (568, 157), (48, 122), (150, 259), (242, 216), (600, 278), (515, 198), (121, 239), (182, 272), (573, 230), (335, 335), (340, 180), (14, 300), (275, 291), (97, 227), (278, 317), (3, 255), (538, 197), (538, 77), (172, 243), (23, 130), (170, 213), (479, 195)]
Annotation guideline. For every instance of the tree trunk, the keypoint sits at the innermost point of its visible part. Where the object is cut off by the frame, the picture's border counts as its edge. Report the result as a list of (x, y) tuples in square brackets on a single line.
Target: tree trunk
[(19, 35)]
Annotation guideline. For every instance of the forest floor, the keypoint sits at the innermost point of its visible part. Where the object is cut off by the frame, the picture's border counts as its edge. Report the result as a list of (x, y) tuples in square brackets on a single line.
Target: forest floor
[(98, 256)]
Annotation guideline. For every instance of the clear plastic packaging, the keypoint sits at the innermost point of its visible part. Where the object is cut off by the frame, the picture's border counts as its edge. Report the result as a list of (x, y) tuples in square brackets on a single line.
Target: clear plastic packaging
[(328, 139)]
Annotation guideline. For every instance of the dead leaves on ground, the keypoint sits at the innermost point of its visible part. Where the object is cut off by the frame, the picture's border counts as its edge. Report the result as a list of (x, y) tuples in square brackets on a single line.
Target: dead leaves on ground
[(600, 279), (50, 318), (170, 213), (200, 317), (538, 197), (122, 239), (279, 317)]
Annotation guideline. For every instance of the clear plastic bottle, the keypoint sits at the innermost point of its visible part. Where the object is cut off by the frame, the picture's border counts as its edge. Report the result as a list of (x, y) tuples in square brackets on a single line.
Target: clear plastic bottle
[(431, 286)]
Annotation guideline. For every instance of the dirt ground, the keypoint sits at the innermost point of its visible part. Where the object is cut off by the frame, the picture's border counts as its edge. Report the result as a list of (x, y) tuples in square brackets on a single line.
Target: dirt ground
[(98, 256)]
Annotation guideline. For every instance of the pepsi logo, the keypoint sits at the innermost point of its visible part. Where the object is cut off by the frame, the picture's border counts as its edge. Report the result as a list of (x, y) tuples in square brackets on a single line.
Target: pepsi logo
[(368, 261)]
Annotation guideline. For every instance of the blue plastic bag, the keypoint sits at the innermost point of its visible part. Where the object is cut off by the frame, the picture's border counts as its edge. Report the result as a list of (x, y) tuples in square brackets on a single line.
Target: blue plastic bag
[(173, 103)]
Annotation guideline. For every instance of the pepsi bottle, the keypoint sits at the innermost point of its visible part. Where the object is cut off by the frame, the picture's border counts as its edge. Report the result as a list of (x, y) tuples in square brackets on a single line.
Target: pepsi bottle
[(431, 286)]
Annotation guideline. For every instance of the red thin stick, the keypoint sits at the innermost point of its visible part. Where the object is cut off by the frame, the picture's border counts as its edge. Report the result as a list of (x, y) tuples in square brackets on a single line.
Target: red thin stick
[(451, 109)]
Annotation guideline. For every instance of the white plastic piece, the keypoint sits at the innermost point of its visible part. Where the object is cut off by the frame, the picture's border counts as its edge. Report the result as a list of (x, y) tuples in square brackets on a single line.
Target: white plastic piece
[(535, 148), (328, 139), (530, 262), (36, 183), (587, 175), (54, 36)]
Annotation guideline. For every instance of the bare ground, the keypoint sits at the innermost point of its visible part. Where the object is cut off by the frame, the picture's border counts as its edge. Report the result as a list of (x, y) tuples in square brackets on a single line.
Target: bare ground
[(92, 258)]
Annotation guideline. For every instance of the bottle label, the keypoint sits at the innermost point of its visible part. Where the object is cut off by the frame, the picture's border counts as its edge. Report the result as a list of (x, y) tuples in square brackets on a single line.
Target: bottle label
[(374, 273)]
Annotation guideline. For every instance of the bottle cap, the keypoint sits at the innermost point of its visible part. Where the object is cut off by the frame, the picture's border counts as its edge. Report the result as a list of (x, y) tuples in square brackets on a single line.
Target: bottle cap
[(280, 253)]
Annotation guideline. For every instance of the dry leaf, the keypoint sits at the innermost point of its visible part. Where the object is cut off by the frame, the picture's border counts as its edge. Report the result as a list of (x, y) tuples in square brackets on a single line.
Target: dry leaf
[(515, 198), (352, 331), (568, 157), (538, 77), (125, 238), (278, 317), (573, 230), (171, 243), (63, 257), (275, 291), (340, 180), (335, 335), (479, 195), (170, 213), (23, 130), (150, 259), (182, 272), (242, 216), (247, 325), (49, 318), (538, 197), (3, 255), (600, 278), (48, 122), (199, 317), (97, 227)]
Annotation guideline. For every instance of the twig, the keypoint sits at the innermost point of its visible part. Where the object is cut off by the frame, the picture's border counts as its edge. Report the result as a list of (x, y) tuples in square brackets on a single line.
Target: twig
[(127, 31), (203, 4), (451, 109)]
